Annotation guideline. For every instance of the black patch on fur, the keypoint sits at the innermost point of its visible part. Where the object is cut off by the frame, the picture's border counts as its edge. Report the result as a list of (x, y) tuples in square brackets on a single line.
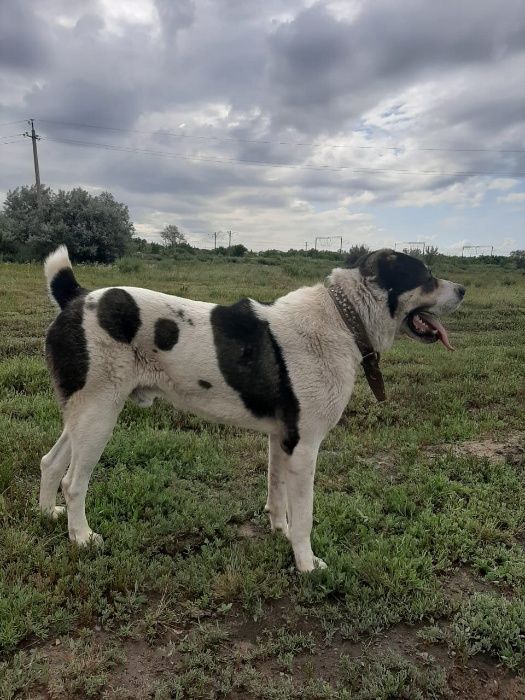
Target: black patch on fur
[(204, 384), (252, 363), (397, 273), (64, 287), (118, 314), (180, 314), (166, 333), (430, 285), (66, 349)]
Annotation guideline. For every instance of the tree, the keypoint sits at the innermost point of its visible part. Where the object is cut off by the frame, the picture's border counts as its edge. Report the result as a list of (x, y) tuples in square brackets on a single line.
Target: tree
[(355, 253), (95, 228), (431, 253), (519, 257), (238, 250), (172, 237)]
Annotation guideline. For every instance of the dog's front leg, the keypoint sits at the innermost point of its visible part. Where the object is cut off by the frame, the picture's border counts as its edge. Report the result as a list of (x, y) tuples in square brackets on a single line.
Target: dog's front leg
[(276, 500), (300, 473)]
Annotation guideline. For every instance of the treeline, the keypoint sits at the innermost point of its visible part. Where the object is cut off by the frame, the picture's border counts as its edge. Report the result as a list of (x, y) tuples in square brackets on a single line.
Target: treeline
[(97, 228)]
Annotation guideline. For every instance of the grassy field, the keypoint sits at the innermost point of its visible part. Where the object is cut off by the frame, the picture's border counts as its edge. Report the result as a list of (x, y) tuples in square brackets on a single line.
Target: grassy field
[(419, 513)]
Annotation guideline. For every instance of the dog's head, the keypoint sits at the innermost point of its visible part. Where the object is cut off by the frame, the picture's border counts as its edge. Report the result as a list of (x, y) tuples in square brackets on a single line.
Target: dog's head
[(414, 298)]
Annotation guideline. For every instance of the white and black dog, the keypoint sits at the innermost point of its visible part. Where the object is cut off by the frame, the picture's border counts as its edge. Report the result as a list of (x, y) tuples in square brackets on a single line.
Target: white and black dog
[(286, 369)]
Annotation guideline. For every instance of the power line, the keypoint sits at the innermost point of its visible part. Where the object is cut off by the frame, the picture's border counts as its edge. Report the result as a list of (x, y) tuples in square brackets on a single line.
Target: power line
[(280, 143), (16, 121), (245, 161), (5, 143), (10, 136)]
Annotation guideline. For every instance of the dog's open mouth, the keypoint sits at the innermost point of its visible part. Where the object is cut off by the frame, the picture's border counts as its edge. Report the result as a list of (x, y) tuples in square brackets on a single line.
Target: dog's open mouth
[(427, 328)]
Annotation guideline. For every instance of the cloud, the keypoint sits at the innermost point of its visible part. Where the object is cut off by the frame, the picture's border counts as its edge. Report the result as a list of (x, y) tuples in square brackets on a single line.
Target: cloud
[(283, 119), (512, 197)]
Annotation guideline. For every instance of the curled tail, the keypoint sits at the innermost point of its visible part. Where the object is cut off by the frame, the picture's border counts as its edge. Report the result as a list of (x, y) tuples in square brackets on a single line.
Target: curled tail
[(61, 281)]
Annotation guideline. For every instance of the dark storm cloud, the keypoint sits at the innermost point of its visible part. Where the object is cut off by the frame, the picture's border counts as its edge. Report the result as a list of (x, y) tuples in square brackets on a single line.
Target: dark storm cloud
[(87, 102), (326, 70), (23, 45), (175, 16)]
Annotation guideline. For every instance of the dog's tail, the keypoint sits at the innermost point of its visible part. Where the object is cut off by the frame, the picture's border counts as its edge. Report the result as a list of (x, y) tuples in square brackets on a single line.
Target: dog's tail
[(61, 281)]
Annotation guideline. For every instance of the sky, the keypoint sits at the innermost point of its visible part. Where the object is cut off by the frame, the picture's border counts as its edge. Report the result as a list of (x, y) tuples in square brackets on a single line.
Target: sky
[(382, 121)]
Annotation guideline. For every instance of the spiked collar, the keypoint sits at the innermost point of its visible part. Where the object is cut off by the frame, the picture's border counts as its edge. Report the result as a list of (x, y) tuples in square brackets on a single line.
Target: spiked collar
[(369, 357)]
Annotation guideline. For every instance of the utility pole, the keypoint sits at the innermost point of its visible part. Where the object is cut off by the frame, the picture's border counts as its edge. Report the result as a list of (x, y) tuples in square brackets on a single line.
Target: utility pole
[(229, 240), (306, 245), (341, 246), (34, 138), (215, 240)]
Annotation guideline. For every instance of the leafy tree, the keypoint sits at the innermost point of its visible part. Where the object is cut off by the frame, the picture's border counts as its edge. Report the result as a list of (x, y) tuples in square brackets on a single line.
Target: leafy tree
[(95, 228), (172, 237), (519, 257), (238, 250), (431, 253), (356, 252)]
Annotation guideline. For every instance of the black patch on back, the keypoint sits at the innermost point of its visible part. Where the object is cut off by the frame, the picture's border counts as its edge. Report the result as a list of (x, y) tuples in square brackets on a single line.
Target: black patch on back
[(396, 273), (180, 314), (64, 287), (66, 349), (166, 333), (204, 384), (118, 314), (252, 363)]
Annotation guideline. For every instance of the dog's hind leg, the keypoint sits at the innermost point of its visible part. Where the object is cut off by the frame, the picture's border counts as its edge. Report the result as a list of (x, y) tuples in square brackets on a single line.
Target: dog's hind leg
[(276, 500), (89, 426), (300, 472), (53, 467)]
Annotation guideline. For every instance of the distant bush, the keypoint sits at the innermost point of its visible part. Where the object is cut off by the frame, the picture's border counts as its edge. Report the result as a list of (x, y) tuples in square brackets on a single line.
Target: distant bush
[(238, 250), (128, 264), (267, 261), (355, 253), (518, 257)]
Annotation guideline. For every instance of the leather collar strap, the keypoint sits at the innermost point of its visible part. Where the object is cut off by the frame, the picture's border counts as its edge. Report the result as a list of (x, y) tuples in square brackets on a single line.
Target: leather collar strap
[(370, 358)]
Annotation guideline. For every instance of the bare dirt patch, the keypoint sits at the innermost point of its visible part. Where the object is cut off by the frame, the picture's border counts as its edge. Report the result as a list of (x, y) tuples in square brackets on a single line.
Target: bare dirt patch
[(511, 449)]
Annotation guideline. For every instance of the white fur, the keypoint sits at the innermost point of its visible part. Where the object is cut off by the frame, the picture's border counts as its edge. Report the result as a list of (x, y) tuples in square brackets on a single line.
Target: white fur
[(320, 354), (56, 261)]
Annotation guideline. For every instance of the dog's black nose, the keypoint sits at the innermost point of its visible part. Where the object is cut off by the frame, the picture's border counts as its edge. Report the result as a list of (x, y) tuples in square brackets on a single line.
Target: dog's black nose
[(461, 291)]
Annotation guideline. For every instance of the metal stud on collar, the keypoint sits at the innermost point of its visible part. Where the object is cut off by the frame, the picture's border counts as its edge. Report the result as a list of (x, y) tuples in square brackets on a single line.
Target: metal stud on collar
[(369, 357)]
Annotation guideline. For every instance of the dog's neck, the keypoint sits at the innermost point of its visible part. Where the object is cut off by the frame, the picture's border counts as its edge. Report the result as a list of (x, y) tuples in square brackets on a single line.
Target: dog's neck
[(371, 305)]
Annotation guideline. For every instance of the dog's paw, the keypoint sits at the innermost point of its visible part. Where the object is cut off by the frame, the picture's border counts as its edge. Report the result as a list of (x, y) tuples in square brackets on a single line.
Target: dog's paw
[(278, 523), (88, 539), (54, 513), (311, 565), (319, 563), (57, 512)]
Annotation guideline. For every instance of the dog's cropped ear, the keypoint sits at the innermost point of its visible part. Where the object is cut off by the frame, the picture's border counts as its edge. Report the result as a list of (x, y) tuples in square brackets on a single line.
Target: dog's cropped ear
[(352, 261), (389, 269), (373, 264)]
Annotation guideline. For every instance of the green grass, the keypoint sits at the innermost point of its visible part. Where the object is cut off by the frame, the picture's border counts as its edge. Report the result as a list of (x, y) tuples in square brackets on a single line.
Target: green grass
[(397, 514)]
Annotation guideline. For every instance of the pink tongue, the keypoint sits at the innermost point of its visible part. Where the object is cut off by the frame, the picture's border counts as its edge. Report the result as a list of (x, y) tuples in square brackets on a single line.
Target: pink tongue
[(436, 325)]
